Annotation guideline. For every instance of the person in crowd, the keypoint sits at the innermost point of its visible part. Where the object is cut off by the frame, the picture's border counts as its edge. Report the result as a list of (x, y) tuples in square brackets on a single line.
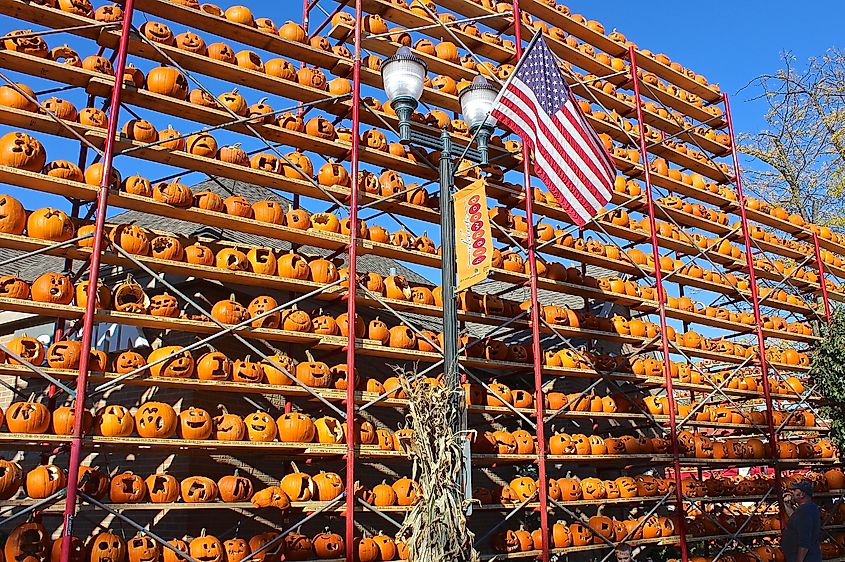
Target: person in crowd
[(803, 530)]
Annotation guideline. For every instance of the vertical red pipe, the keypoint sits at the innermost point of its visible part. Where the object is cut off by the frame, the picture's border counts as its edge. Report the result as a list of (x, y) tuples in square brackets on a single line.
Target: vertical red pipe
[(822, 282), (661, 300), (535, 320), (755, 301), (352, 432), (93, 277), (306, 15)]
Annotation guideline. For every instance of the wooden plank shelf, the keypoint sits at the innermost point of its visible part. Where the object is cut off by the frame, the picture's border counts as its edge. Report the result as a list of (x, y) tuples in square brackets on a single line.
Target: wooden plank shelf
[(312, 237), (306, 507), (254, 79), (555, 18), (404, 17), (337, 148), (313, 341), (247, 278), (788, 464), (677, 78), (254, 37), (203, 447), (51, 18)]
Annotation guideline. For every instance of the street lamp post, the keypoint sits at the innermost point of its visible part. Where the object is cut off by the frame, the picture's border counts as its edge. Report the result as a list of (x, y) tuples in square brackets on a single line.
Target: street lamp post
[(403, 75)]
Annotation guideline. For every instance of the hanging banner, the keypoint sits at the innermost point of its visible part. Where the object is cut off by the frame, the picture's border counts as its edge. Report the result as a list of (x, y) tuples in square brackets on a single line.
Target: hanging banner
[(474, 247)]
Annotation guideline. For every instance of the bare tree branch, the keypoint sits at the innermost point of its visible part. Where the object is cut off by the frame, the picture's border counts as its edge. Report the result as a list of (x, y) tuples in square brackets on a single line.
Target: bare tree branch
[(802, 151)]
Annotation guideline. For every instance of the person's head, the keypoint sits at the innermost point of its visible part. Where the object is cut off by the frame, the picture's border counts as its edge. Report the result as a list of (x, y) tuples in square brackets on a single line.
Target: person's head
[(624, 553), (802, 491)]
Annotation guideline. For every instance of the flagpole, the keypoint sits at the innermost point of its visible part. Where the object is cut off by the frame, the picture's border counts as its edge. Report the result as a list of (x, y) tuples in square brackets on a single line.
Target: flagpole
[(519, 64)]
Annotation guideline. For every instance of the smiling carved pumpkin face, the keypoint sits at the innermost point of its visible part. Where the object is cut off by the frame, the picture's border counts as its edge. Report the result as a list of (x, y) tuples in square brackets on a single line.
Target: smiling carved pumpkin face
[(195, 423), (260, 427), (207, 549)]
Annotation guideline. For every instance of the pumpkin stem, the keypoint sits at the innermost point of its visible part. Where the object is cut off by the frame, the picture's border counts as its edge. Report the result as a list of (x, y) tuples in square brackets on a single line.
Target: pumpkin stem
[(294, 467), (309, 356), (262, 101)]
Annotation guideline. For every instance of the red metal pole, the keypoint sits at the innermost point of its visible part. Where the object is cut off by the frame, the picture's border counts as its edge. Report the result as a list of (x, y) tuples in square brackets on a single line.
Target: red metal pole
[(755, 301), (537, 352), (822, 282), (661, 301), (352, 431), (93, 276), (306, 15)]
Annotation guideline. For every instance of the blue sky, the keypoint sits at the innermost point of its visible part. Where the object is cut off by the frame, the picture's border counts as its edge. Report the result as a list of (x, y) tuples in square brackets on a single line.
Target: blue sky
[(737, 41)]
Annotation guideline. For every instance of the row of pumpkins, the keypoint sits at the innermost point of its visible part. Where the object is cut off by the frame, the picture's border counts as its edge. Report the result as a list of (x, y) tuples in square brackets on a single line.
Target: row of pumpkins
[(643, 485), (157, 420), (55, 225), (628, 150), (45, 480), (280, 369), (595, 530), (727, 414), (30, 542), (525, 488), (497, 394), (240, 103), (687, 372), (640, 260), (654, 134), (374, 24), (522, 442), (602, 530), (331, 174)]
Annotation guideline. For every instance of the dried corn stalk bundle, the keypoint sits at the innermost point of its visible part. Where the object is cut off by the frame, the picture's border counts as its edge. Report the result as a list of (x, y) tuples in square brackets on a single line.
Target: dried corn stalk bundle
[(435, 528)]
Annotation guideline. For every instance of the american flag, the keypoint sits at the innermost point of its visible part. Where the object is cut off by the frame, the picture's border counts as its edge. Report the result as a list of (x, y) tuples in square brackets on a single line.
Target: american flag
[(569, 157)]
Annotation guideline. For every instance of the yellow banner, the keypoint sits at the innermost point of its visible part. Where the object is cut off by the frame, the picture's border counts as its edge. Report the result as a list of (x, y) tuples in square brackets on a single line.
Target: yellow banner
[(474, 248)]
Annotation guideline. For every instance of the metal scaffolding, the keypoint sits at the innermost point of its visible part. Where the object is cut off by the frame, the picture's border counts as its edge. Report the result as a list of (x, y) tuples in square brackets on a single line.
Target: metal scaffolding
[(500, 337)]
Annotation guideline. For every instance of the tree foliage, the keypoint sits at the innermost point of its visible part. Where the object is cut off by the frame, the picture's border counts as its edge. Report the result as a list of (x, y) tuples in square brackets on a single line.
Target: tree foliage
[(828, 371), (802, 150)]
